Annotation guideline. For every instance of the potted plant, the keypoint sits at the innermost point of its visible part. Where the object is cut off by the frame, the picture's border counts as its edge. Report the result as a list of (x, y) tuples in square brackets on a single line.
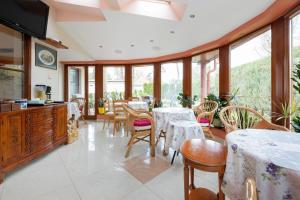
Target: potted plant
[(157, 104), (296, 86), (186, 101), (222, 102), (101, 106)]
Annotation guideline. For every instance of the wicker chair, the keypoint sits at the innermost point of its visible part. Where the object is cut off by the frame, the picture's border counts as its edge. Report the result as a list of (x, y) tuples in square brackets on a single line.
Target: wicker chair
[(81, 102), (207, 111), (141, 127), (241, 117), (120, 115), (251, 193)]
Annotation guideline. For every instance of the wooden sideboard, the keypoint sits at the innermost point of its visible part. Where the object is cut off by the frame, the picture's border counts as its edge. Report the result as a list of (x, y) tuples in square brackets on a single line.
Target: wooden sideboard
[(29, 133)]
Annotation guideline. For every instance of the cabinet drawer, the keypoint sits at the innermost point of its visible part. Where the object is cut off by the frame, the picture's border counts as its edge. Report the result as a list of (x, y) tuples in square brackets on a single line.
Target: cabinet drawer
[(39, 143), (41, 115), (41, 128)]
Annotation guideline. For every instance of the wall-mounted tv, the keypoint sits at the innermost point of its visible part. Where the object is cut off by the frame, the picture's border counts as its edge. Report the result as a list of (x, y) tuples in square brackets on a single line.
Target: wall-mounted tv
[(27, 16)]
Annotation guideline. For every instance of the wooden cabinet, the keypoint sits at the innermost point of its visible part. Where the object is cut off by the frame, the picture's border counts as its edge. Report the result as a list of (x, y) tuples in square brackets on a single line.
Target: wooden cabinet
[(29, 133)]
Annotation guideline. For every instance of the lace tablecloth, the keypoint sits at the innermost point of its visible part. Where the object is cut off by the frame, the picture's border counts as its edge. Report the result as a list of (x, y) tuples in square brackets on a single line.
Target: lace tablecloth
[(138, 105), (73, 109), (272, 158), (181, 130)]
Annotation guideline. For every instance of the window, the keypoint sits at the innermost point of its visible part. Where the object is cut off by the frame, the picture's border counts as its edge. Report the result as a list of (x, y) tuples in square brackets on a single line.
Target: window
[(171, 83), (114, 82), (295, 50), (142, 80), (205, 74), (91, 90), (11, 63), (251, 72), (76, 82)]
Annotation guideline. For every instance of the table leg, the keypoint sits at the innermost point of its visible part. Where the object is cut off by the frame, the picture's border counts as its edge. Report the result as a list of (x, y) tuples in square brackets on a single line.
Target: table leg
[(152, 143), (221, 194), (192, 178), (186, 181)]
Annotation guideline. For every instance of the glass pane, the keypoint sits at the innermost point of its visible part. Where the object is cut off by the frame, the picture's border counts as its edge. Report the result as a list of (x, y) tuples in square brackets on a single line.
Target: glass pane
[(91, 82), (205, 74), (251, 72), (295, 50), (171, 83), (11, 48), (142, 79), (76, 82), (11, 84), (114, 82)]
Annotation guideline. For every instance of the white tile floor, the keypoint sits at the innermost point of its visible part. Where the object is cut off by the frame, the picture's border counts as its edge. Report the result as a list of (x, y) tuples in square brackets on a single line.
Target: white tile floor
[(90, 169)]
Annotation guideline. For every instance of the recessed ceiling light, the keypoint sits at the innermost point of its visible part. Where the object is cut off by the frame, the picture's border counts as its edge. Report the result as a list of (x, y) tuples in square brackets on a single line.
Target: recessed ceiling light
[(172, 32), (100, 46), (132, 45), (118, 51), (192, 16)]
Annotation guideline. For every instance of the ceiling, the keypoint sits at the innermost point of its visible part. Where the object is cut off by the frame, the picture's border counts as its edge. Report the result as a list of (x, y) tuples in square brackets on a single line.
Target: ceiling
[(127, 35)]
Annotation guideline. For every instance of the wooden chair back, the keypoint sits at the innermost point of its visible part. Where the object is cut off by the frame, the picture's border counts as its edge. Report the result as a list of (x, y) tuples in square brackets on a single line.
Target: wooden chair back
[(118, 107), (133, 99), (207, 110), (241, 117), (107, 107), (251, 192), (136, 115)]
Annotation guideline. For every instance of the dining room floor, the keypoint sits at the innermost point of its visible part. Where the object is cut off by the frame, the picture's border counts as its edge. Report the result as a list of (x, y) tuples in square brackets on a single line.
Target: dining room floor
[(94, 168)]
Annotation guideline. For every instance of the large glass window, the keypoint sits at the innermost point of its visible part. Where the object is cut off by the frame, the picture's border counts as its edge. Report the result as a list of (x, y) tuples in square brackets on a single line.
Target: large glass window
[(171, 83), (11, 63), (91, 90), (295, 50), (114, 82), (76, 82), (142, 79), (205, 74), (251, 72)]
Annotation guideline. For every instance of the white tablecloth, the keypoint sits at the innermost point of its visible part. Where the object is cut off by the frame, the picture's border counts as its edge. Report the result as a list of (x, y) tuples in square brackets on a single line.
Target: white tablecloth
[(73, 109), (181, 130), (272, 158), (138, 105)]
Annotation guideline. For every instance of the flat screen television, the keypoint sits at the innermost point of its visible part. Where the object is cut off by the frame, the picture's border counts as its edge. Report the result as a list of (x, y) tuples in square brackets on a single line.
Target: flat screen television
[(27, 16)]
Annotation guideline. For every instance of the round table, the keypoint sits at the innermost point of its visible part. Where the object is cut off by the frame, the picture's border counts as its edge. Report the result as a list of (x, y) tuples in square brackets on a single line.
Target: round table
[(271, 158), (205, 155)]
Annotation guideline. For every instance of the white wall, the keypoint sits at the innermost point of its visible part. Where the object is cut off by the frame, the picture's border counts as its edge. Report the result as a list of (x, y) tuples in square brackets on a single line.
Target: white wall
[(55, 78)]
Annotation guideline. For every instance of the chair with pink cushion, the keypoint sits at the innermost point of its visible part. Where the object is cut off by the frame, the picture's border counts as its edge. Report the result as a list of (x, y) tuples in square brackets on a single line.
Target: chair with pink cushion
[(141, 127)]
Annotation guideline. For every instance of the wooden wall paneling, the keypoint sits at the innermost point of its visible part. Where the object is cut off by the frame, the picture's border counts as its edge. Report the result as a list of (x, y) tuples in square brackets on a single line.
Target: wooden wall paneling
[(86, 90), (224, 75), (66, 83), (280, 66), (128, 81), (27, 67), (98, 85), (187, 76), (157, 81)]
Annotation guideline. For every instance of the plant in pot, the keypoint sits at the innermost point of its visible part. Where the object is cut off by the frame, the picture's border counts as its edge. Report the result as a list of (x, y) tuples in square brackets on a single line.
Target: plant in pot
[(157, 104), (296, 86), (222, 102), (101, 106), (186, 101)]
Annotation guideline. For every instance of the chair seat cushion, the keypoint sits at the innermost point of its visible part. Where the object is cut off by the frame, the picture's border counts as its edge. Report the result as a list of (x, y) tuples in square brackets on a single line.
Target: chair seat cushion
[(142, 128), (110, 113), (142, 122), (204, 121)]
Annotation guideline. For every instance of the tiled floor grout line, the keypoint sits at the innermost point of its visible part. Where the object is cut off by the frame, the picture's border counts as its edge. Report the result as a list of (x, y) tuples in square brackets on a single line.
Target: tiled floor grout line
[(69, 175)]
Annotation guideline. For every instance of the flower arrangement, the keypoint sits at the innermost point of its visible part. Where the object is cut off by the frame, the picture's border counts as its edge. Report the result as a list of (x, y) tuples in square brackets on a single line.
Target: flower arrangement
[(186, 101)]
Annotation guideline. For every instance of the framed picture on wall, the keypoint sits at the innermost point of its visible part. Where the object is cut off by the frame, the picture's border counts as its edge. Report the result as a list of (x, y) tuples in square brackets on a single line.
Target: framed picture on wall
[(45, 57)]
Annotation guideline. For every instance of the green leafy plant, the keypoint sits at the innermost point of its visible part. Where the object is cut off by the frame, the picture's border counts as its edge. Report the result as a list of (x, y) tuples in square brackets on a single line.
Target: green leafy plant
[(157, 104), (101, 102), (296, 86), (186, 101), (287, 111)]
